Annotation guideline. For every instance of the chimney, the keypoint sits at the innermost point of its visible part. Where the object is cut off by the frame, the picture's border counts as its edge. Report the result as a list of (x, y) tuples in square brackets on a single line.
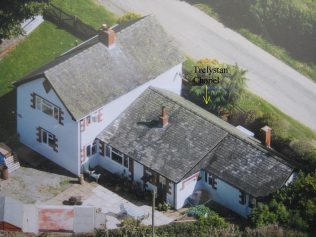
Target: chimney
[(107, 36), (265, 134), (164, 118)]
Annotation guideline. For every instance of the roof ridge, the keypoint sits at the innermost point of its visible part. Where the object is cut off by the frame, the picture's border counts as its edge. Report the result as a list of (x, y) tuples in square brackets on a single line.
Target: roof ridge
[(205, 156), (262, 149)]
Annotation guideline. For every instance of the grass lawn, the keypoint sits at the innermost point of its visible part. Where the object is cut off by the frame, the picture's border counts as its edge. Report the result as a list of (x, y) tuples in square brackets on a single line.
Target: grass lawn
[(308, 69), (43, 45), (293, 129), (88, 11)]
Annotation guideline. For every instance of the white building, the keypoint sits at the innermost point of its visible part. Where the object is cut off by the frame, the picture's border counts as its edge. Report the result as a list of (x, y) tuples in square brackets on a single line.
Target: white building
[(100, 104)]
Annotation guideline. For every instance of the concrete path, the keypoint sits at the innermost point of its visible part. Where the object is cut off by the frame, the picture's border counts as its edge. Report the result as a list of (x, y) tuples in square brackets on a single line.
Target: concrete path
[(199, 35), (94, 195)]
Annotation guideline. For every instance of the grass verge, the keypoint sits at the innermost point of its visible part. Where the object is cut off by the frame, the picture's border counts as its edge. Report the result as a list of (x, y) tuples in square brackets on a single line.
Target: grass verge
[(207, 9), (293, 129), (45, 43), (308, 69), (88, 11)]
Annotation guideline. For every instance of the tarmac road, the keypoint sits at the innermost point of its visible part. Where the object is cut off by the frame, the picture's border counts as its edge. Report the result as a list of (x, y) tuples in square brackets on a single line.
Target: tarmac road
[(199, 35)]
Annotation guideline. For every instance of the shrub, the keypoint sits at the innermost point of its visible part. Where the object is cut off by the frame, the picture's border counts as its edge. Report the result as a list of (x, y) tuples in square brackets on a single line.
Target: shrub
[(261, 215), (163, 206), (213, 221), (198, 211), (129, 16)]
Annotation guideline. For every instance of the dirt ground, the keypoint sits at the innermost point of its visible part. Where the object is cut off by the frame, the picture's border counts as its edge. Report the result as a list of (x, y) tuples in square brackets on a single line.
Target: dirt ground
[(37, 180)]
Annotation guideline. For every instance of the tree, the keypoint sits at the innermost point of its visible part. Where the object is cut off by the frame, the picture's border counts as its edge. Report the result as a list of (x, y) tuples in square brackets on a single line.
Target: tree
[(225, 83), (293, 205), (14, 12), (129, 16)]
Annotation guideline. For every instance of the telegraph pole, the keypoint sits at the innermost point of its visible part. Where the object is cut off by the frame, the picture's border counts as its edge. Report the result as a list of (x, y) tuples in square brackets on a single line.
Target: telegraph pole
[(153, 212)]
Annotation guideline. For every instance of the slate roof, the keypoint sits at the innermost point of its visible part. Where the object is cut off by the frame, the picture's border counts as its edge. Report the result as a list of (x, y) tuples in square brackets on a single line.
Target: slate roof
[(194, 139), (91, 74)]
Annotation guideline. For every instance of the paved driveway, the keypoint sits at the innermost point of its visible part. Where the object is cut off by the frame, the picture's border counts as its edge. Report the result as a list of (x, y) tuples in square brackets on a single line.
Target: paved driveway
[(199, 35), (109, 203)]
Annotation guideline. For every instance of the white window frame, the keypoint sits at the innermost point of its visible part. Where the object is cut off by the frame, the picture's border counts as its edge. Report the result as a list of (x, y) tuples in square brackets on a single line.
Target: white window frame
[(40, 103), (49, 141), (109, 149), (94, 148), (118, 153)]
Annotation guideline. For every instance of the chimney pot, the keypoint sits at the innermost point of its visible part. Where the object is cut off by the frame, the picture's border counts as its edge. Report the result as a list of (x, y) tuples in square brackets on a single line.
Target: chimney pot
[(107, 36), (265, 134), (164, 118)]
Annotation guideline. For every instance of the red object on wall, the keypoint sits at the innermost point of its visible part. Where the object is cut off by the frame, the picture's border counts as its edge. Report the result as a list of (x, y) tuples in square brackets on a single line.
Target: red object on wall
[(195, 176), (82, 125), (8, 227), (100, 116), (55, 219), (83, 154)]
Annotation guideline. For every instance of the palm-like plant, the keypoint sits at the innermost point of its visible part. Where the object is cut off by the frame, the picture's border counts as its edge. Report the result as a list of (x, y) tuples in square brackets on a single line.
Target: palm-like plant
[(225, 94)]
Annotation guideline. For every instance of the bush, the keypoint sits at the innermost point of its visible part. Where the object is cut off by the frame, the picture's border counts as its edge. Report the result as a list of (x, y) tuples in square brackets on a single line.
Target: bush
[(129, 16), (261, 215), (163, 206), (198, 211), (213, 221), (292, 206)]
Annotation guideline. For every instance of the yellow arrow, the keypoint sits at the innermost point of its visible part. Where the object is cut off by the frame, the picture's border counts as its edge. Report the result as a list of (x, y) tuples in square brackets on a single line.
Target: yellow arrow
[(206, 98)]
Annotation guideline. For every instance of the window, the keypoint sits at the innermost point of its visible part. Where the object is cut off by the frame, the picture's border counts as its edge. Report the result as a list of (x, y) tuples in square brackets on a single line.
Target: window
[(94, 148), (242, 198), (125, 161), (45, 137), (211, 180), (47, 107), (117, 156), (56, 113), (91, 149), (108, 151), (88, 150), (151, 176), (88, 120)]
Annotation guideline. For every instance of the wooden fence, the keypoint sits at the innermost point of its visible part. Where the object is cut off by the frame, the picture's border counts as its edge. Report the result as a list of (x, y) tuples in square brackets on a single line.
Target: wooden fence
[(70, 23)]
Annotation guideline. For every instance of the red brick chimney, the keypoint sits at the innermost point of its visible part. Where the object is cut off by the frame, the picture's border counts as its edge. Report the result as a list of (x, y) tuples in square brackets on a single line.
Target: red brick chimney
[(164, 118), (107, 36), (265, 134)]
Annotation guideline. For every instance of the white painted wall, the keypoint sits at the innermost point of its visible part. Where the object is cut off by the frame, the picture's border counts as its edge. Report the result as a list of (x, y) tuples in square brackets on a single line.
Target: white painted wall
[(30, 219), (170, 197), (28, 119), (228, 196), (170, 80), (138, 172), (70, 139), (185, 188)]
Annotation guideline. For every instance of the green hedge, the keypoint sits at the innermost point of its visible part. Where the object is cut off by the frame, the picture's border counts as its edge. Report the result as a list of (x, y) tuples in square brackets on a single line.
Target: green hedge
[(288, 23)]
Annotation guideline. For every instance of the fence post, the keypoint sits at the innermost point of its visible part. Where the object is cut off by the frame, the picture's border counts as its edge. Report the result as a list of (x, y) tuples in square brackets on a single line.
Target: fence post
[(75, 22)]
